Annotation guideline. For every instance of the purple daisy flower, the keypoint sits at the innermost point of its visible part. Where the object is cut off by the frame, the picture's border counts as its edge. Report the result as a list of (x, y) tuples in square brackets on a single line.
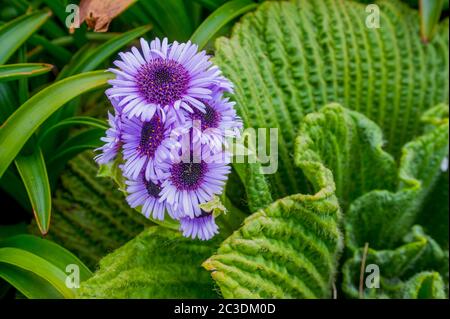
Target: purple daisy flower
[(145, 145), (146, 194), (218, 122), (164, 78), (202, 227), (112, 140), (189, 183)]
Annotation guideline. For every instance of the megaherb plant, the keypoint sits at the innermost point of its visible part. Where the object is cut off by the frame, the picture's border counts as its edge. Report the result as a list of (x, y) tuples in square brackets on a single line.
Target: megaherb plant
[(361, 187)]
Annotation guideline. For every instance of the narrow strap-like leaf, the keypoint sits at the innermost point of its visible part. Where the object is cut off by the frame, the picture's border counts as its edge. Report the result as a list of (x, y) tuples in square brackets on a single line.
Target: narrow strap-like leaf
[(27, 118), (11, 72), (14, 33), (219, 18), (37, 265), (33, 171)]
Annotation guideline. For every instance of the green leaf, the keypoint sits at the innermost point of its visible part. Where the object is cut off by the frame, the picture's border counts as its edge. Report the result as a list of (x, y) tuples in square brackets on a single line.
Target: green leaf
[(33, 172), (93, 58), (8, 101), (90, 217), (382, 217), (29, 284), (59, 53), (72, 121), (170, 16), (288, 59), (418, 252), (11, 72), (37, 265), (27, 118), (87, 139), (219, 18), (425, 285), (430, 12), (288, 249), (350, 145), (434, 216), (14, 33), (159, 263), (48, 250), (255, 185), (211, 4)]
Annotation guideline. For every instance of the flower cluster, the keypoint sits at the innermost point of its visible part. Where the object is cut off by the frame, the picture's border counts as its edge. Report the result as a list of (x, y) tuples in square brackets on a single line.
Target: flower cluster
[(170, 125)]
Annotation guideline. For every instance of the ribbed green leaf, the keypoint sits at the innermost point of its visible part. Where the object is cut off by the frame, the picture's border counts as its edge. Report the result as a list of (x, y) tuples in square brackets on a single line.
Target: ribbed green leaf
[(434, 216), (14, 33), (288, 249), (418, 253), (159, 263), (11, 72), (382, 217), (425, 285), (26, 119), (350, 145), (255, 185), (288, 59)]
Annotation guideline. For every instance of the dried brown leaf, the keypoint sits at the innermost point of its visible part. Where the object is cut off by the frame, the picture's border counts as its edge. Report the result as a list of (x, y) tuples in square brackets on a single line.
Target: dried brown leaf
[(98, 14)]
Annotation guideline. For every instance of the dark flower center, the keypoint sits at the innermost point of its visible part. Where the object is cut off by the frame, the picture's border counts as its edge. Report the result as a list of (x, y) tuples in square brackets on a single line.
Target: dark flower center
[(162, 81), (152, 189), (188, 176), (152, 135), (209, 119), (204, 213)]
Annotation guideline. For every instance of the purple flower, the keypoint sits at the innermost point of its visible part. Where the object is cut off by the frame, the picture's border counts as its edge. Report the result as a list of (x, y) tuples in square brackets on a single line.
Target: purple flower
[(189, 182), (202, 227), (146, 194), (218, 122), (164, 78), (145, 145), (112, 140)]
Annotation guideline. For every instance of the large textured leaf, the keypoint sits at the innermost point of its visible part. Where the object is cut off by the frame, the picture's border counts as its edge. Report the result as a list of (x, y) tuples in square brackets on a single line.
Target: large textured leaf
[(425, 285), (159, 263), (350, 145), (382, 217), (418, 253), (288, 59), (286, 250)]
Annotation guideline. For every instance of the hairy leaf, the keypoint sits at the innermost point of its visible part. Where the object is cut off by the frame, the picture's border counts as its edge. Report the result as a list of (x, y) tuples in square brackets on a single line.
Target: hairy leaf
[(382, 217), (350, 145), (290, 58), (418, 253), (159, 263), (288, 249)]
